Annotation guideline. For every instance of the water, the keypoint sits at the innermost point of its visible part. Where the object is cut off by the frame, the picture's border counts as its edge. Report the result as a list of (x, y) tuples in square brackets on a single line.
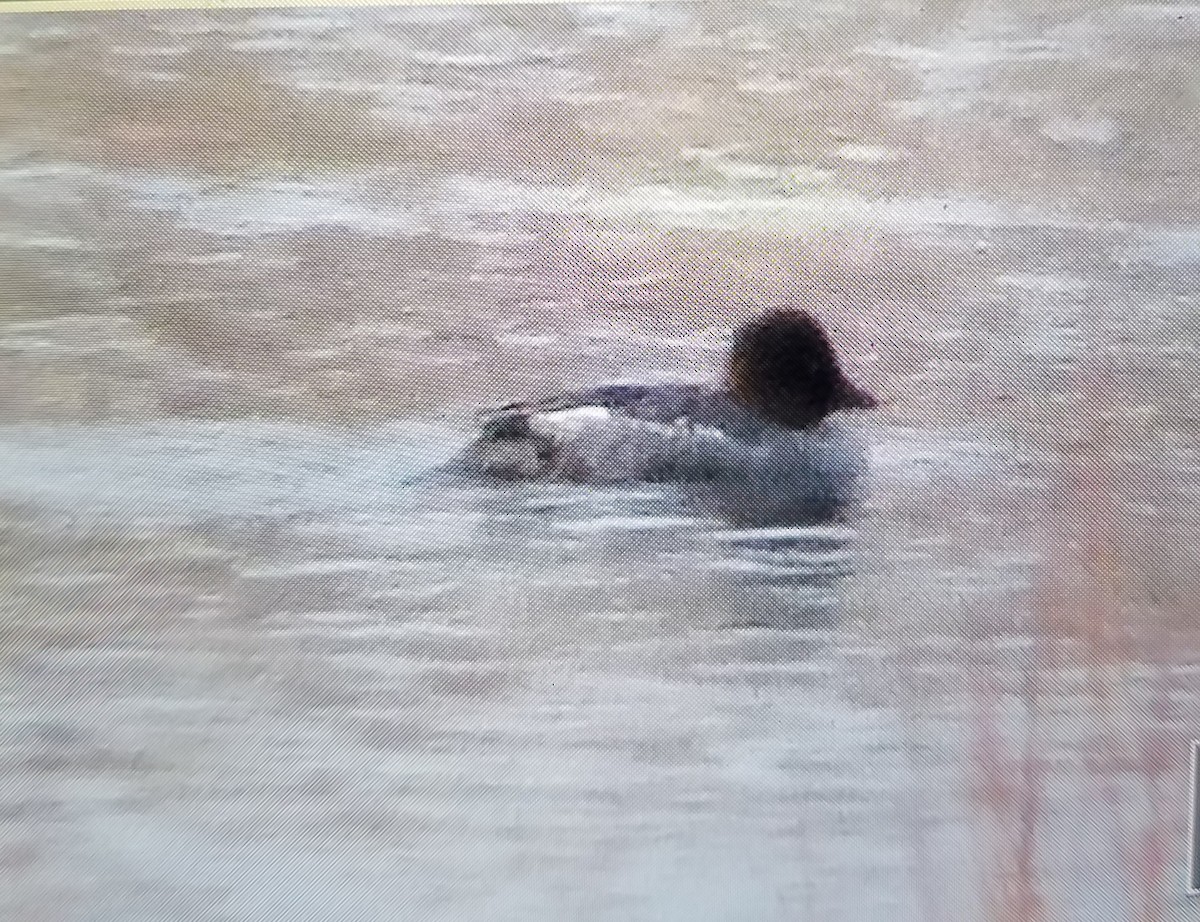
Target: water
[(257, 268)]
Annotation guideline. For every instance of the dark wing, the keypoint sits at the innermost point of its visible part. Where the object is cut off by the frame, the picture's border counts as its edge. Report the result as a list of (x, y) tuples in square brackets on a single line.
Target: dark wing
[(661, 403), (612, 396)]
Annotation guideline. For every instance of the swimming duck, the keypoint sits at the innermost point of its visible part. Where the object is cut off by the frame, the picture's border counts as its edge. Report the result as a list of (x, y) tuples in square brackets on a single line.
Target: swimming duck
[(777, 418)]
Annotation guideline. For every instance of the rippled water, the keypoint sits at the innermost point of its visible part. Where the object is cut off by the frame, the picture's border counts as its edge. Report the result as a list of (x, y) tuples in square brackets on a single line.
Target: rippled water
[(257, 267)]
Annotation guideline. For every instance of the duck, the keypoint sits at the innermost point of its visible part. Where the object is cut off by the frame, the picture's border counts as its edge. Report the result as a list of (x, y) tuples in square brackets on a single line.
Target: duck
[(778, 418)]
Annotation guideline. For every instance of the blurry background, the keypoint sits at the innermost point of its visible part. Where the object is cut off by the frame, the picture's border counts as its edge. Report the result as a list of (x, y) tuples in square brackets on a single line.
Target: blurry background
[(256, 267)]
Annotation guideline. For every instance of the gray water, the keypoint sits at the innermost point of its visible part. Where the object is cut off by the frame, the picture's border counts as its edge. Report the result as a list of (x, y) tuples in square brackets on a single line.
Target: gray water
[(259, 661)]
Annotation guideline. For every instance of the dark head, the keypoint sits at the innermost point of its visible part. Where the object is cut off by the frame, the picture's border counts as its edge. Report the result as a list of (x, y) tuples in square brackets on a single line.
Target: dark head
[(782, 365)]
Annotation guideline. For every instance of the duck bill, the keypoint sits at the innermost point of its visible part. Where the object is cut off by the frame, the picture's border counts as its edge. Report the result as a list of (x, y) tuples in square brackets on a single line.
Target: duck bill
[(854, 397)]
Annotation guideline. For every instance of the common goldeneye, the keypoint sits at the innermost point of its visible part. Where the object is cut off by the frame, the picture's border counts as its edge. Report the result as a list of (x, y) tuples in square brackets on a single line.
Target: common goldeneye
[(774, 421)]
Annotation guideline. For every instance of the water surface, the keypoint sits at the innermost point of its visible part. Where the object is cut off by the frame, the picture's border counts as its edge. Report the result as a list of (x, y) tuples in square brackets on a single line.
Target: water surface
[(257, 268)]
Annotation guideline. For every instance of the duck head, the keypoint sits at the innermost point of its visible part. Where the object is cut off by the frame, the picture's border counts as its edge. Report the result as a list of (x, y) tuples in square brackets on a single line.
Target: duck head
[(782, 365)]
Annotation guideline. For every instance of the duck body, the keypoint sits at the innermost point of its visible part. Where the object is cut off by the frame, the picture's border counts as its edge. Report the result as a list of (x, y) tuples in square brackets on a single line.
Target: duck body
[(661, 432), (775, 424)]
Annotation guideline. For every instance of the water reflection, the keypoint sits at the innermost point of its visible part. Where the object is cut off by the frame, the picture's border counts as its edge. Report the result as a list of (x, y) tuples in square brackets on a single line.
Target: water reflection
[(778, 565), (786, 579), (771, 504)]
